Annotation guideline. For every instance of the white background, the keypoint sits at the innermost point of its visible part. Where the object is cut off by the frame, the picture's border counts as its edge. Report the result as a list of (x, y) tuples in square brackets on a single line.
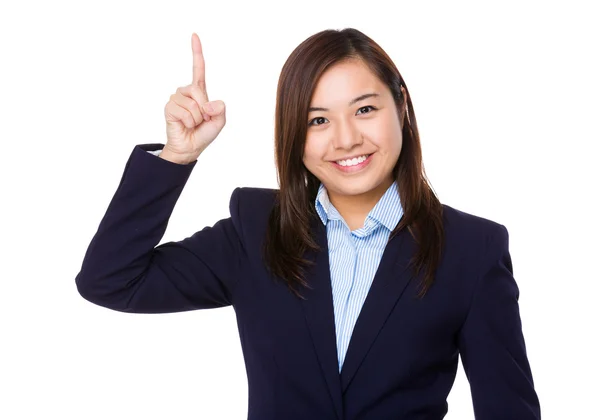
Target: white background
[(506, 98)]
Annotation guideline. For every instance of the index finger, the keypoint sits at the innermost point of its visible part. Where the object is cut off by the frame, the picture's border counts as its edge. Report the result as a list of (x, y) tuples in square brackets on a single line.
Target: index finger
[(198, 66)]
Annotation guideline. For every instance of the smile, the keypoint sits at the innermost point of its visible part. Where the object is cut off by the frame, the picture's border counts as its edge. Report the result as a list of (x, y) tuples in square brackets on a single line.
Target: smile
[(353, 165)]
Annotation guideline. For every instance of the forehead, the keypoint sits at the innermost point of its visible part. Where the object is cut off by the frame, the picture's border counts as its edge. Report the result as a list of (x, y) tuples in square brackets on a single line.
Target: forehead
[(346, 80)]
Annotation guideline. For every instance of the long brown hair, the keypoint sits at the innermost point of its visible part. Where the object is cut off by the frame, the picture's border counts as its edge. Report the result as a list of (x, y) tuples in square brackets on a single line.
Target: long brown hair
[(288, 233)]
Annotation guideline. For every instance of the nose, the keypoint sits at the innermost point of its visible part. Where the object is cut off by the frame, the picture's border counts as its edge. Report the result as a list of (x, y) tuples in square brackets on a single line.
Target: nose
[(346, 135)]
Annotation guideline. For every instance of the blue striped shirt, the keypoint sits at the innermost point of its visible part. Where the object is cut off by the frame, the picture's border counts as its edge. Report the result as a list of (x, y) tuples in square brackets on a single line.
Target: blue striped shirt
[(354, 257)]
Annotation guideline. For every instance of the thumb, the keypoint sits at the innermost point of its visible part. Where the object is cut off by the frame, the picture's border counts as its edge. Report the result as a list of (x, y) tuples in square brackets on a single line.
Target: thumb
[(215, 109)]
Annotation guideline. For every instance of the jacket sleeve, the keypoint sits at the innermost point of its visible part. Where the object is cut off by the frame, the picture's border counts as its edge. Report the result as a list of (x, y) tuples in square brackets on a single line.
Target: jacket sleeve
[(491, 342), (124, 270)]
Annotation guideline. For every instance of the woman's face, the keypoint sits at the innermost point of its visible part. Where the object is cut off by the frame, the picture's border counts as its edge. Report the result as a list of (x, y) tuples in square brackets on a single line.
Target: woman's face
[(345, 127)]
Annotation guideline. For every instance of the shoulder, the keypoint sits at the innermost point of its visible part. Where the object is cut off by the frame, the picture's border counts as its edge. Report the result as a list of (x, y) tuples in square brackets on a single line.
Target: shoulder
[(265, 194), (455, 218), (252, 199), (474, 245), (250, 208), (472, 230)]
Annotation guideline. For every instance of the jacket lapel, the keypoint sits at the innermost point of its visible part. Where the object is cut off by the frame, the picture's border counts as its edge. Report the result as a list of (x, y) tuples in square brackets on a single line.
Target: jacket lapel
[(318, 311), (389, 283)]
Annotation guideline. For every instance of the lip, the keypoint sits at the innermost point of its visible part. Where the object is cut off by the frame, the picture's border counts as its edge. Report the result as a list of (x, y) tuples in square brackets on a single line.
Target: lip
[(355, 168)]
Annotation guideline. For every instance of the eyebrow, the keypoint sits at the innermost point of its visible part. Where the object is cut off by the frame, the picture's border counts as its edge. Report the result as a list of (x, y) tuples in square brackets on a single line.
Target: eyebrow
[(353, 101)]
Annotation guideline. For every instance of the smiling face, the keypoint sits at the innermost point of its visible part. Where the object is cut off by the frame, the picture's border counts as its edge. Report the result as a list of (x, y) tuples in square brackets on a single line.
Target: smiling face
[(355, 116)]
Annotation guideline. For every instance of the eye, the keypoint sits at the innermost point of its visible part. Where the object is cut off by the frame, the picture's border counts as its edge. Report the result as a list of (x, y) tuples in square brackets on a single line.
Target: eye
[(316, 119), (367, 107)]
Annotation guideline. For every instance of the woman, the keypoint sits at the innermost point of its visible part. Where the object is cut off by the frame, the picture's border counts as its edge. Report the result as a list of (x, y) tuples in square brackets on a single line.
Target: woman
[(355, 289)]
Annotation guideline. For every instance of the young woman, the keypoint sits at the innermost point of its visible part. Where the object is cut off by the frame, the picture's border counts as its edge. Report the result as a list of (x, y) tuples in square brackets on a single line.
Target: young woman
[(355, 289)]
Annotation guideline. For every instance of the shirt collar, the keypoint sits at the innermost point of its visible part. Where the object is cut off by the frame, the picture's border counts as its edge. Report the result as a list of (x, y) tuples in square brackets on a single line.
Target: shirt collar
[(386, 212)]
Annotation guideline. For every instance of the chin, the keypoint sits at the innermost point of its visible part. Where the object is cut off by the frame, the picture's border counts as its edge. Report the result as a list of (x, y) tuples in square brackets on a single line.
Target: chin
[(353, 187)]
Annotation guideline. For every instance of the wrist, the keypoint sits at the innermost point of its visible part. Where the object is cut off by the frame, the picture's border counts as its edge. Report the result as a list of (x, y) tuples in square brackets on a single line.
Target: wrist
[(176, 158)]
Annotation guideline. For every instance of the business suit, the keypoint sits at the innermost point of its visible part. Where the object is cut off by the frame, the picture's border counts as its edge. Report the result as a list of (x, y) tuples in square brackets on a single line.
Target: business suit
[(403, 354)]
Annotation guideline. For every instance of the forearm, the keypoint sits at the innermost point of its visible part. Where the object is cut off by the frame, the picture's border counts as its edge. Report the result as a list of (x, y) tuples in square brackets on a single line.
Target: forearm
[(135, 221)]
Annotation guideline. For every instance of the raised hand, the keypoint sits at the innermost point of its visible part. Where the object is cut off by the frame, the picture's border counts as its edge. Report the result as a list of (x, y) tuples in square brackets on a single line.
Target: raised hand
[(192, 121)]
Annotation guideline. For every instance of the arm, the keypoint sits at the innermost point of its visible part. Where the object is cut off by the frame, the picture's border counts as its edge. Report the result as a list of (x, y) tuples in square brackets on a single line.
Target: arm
[(124, 270), (491, 342)]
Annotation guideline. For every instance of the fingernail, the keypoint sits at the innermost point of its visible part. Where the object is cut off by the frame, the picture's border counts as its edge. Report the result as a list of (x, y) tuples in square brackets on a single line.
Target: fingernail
[(209, 107)]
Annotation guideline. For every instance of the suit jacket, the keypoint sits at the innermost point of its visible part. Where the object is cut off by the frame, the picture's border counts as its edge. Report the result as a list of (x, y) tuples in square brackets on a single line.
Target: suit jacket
[(402, 358)]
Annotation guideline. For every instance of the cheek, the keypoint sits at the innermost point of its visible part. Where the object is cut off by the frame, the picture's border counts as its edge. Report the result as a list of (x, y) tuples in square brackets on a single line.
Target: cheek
[(389, 135), (312, 150), (306, 154)]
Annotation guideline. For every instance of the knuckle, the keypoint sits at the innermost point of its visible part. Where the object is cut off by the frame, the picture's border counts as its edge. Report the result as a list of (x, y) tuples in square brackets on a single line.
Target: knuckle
[(199, 89), (196, 91), (189, 120)]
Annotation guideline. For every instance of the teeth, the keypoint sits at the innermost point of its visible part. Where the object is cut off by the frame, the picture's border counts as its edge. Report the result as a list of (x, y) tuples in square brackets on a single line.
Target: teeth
[(352, 162)]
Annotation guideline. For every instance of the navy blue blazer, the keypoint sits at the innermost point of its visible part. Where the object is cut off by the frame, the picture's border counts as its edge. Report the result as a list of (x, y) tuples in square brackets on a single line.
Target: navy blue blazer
[(403, 354)]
